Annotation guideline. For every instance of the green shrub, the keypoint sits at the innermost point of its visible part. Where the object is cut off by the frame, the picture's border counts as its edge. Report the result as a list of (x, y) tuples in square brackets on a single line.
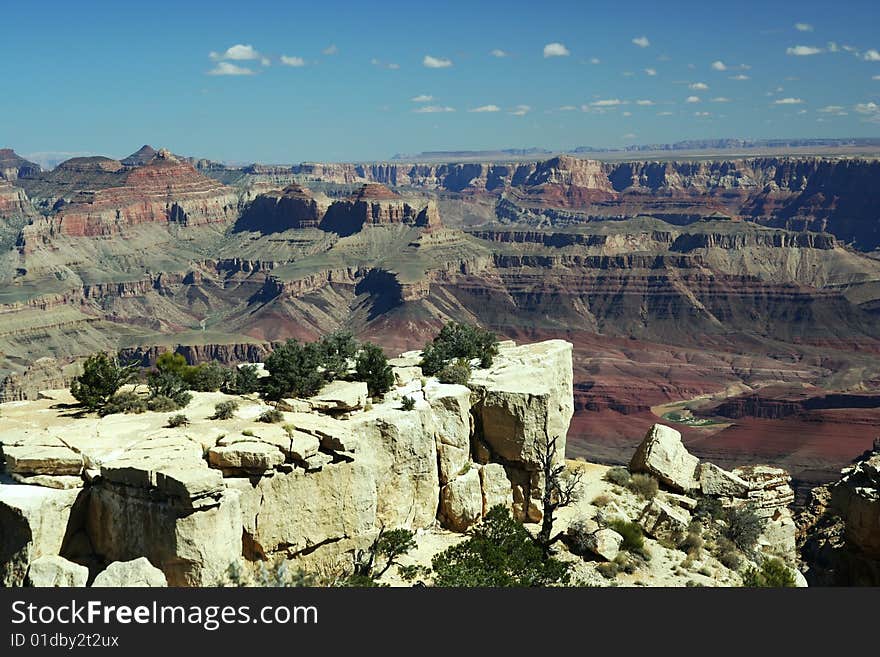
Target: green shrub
[(457, 340), (272, 416), (173, 363), (727, 553), (335, 351), (633, 538), (169, 384), (458, 372), (708, 508), (124, 402), (618, 475), (207, 377), (602, 500), (742, 526), (163, 404), (225, 410), (293, 371), (773, 573), (407, 403), (500, 552), (372, 367), (179, 420), (692, 544), (244, 380), (608, 569), (626, 563), (102, 377), (643, 485)]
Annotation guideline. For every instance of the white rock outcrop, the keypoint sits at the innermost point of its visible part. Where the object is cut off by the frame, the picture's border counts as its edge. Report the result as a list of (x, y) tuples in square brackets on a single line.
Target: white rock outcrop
[(137, 573), (54, 571), (663, 455)]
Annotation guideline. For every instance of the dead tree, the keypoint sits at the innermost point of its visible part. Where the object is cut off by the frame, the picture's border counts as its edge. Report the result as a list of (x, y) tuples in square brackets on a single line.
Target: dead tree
[(559, 490)]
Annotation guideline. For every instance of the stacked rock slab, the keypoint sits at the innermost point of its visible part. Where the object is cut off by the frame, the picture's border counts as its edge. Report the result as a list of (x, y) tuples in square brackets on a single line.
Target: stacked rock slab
[(762, 488), (519, 404), (160, 500)]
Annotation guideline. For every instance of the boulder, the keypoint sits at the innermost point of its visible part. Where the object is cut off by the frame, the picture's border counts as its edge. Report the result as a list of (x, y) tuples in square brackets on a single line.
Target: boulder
[(333, 434), (401, 449), (663, 455), (299, 511), (717, 482), (253, 457), (405, 375), (451, 405), (33, 523), (192, 541), (779, 536), (461, 501), (340, 396), (42, 460), (137, 573), (856, 499), (663, 521), (523, 399), (604, 543), (769, 488), (496, 487), (61, 482), (54, 571)]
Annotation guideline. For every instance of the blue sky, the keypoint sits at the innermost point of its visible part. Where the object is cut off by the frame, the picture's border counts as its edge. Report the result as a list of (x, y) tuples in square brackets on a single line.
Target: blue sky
[(286, 82)]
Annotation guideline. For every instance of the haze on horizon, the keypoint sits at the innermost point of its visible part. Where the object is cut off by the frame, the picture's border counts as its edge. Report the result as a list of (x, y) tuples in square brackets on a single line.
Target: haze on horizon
[(274, 83)]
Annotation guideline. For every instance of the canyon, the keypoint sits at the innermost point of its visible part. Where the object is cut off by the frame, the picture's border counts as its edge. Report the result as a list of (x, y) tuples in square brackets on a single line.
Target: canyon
[(724, 293)]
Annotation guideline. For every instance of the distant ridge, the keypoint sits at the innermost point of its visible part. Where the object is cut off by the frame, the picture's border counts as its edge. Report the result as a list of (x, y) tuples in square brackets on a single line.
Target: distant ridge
[(719, 144)]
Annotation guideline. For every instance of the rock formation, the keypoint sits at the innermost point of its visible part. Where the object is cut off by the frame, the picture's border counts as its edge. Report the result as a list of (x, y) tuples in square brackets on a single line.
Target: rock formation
[(195, 500), (839, 531)]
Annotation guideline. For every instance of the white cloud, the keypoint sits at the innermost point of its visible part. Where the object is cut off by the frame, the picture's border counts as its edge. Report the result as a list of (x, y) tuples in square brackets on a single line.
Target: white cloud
[(803, 27), (645, 103), (567, 108), (788, 101), (391, 66), (498, 53), (641, 42), (521, 110), (629, 135), (718, 65), (741, 76), (433, 109), (238, 52), (692, 99), (330, 50), (422, 98), (721, 99), (627, 113), (833, 47), (803, 51), (556, 50), (867, 108), (836, 110), (666, 113), (595, 60), (265, 61), (699, 86), (436, 62), (802, 111), (872, 56), (875, 77), (486, 108), (650, 71), (225, 68), (702, 113), (608, 102), (292, 61)]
